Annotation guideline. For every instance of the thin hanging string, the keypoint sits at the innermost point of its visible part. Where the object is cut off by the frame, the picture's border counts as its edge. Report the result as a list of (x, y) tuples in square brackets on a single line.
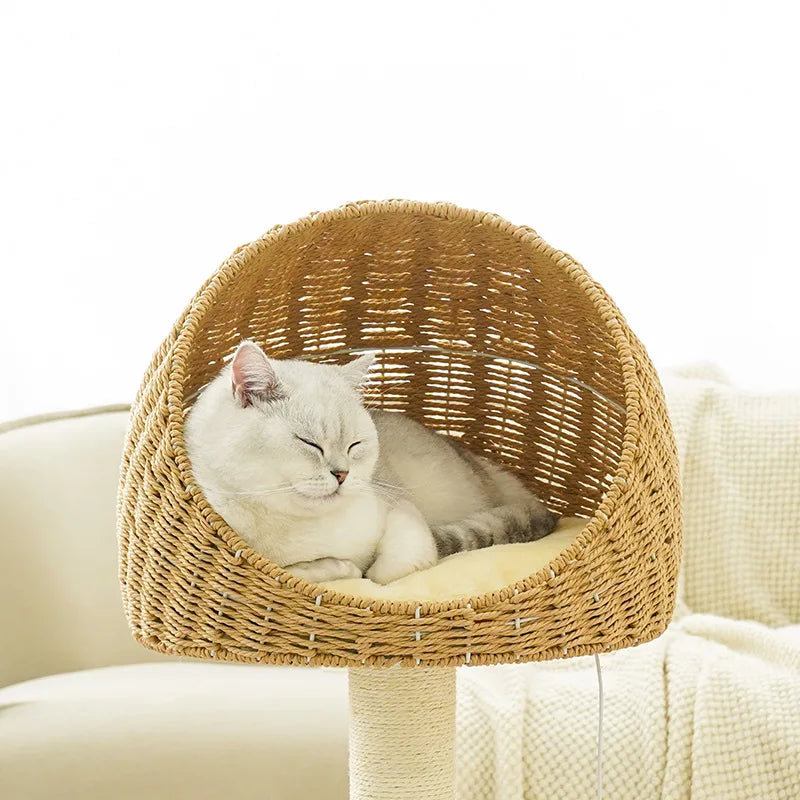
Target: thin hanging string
[(599, 727)]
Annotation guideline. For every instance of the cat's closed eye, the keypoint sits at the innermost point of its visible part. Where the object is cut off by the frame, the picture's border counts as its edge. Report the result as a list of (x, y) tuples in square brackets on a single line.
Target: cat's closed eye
[(310, 444), (352, 446)]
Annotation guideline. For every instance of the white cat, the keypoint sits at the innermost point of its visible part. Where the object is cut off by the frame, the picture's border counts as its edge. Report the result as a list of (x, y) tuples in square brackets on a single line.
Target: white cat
[(289, 457)]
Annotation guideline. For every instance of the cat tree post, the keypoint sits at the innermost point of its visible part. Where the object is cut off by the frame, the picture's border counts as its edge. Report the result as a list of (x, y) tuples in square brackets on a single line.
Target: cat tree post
[(402, 733)]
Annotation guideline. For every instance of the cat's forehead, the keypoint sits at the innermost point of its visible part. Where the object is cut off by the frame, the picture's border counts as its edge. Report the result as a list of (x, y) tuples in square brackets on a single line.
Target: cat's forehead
[(327, 415), (299, 374), (320, 401)]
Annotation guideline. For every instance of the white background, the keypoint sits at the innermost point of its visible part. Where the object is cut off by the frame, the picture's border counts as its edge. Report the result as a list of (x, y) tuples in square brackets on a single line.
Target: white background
[(141, 143)]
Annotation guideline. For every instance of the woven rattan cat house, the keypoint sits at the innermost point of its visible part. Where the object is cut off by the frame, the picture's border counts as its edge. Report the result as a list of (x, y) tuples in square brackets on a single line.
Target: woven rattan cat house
[(482, 331)]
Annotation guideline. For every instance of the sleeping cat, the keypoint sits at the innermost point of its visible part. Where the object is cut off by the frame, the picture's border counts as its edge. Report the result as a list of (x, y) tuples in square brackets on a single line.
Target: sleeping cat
[(290, 458)]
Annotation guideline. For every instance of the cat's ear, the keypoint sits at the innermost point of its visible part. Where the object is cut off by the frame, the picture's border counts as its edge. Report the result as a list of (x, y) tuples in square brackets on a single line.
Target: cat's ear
[(252, 375), (356, 371)]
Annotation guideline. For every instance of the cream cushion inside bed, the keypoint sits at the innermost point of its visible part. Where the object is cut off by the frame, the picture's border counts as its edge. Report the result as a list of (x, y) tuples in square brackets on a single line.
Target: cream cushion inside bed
[(472, 573)]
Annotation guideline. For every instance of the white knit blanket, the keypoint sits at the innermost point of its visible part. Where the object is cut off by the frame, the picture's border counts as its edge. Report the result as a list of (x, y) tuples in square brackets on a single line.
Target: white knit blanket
[(712, 708)]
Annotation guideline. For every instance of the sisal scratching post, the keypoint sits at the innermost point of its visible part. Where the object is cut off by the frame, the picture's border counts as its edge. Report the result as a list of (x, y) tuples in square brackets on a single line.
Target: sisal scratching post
[(402, 733)]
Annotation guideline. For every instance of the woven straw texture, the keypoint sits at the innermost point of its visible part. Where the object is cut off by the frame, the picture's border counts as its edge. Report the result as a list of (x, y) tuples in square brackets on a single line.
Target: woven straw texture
[(483, 332)]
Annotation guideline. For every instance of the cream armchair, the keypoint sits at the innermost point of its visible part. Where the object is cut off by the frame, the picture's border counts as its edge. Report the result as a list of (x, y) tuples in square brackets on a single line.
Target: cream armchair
[(88, 713)]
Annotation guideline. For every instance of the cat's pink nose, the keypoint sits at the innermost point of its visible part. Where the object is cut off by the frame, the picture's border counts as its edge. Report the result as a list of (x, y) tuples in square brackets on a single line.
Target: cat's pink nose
[(340, 476)]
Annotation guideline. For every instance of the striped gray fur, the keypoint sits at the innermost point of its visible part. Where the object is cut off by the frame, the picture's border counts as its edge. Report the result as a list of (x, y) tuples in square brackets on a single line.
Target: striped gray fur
[(506, 524)]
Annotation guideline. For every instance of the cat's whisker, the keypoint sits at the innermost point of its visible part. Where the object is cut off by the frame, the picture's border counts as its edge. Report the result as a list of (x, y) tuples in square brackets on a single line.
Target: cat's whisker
[(379, 489), (382, 485), (386, 500), (378, 484), (386, 496), (255, 492)]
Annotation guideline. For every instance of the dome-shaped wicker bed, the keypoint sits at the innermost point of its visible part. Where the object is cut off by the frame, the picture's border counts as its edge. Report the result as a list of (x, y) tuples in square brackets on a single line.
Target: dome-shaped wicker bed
[(483, 332)]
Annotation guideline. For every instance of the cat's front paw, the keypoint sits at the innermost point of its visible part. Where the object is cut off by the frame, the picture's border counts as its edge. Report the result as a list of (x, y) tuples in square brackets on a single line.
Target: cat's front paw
[(385, 570), (325, 569)]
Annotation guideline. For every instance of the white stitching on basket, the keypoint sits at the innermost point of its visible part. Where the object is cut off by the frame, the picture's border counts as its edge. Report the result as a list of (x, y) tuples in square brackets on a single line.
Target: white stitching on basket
[(418, 634)]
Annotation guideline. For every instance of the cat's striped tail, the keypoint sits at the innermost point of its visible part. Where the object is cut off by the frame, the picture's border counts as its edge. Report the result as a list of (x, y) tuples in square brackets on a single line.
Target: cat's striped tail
[(518, 522)]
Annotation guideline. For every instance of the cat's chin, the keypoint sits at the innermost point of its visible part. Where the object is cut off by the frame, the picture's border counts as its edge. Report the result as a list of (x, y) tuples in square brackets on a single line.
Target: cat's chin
[(320, 500)]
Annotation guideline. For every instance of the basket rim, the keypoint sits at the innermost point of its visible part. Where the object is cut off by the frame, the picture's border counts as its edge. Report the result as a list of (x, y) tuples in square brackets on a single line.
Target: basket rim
[(238, 260)]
